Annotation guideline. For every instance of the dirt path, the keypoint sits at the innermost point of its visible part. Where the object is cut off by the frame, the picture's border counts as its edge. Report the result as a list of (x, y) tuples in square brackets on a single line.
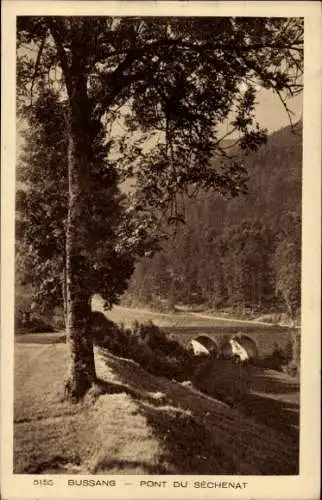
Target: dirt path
[(179, 318), (230, 320)]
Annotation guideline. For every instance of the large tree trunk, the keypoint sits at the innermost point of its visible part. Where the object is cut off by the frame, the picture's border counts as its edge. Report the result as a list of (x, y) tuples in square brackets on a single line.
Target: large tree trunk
[(81, 367), (81, 373)]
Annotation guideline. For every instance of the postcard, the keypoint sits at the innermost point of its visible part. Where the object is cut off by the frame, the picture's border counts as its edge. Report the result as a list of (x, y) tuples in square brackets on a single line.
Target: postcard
[(161, 238)]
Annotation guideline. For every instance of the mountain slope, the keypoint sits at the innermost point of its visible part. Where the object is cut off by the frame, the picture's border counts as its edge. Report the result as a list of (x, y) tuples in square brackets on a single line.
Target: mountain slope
[(197, 264)]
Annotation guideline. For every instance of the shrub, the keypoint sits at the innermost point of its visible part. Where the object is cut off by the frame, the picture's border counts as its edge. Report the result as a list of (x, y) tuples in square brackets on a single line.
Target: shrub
[(279, 359), (146, 344), (30, 317), (292, 369), (29, 321), (109, 335), (32, 324), (293, 348), (158, 354)]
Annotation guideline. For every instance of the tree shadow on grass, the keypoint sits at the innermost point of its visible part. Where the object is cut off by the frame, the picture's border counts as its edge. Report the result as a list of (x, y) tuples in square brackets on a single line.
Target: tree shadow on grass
[(252, 391), (270, 381), (188, 446), (194, 443), (274, 413), (105, 387)]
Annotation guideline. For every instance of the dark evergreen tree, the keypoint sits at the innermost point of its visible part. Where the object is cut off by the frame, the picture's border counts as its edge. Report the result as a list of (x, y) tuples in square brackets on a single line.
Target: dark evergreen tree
[(287, 260)]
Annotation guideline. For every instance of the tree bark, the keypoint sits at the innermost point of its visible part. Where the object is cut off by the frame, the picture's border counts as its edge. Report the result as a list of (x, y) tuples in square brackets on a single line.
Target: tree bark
[(63, 287), (81, 374), (81, 367)]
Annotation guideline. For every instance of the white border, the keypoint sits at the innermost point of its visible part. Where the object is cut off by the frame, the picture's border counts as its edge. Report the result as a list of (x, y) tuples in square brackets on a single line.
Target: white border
[(306, 485)]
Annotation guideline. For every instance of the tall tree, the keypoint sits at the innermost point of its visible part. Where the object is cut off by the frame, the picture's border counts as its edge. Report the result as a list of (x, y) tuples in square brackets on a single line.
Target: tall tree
[(42, 211), (173, 78), (287, 261), (247, 254)]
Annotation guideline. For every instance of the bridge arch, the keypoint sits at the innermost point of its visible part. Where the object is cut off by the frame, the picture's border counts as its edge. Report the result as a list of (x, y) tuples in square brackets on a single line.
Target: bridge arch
[(248, 343), (206, 341)]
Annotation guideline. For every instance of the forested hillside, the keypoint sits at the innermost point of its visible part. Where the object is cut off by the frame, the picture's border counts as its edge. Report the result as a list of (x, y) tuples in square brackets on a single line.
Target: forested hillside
[(243, 253)]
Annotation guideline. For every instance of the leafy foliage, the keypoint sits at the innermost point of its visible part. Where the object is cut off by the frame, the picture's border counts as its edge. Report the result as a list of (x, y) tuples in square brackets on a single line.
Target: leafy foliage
[(42, 211), (175, 79)]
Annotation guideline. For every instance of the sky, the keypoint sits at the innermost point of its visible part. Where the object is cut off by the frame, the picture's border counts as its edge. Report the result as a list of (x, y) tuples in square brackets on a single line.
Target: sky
[(270, 112)]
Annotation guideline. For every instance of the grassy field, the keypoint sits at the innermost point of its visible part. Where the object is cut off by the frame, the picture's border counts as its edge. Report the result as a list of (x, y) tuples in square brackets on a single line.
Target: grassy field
[(135, 423)]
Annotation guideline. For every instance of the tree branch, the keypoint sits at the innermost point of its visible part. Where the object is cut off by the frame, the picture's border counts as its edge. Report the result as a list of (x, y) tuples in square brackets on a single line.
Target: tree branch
[(58, 39), (37, 64), (289, 112)]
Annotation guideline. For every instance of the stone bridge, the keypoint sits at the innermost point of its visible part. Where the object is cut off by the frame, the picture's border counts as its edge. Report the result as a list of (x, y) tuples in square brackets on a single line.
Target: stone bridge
[(259, 340)]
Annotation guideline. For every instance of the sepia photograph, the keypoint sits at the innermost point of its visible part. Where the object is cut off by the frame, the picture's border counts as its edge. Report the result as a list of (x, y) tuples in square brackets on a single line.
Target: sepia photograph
[(158, 249)]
